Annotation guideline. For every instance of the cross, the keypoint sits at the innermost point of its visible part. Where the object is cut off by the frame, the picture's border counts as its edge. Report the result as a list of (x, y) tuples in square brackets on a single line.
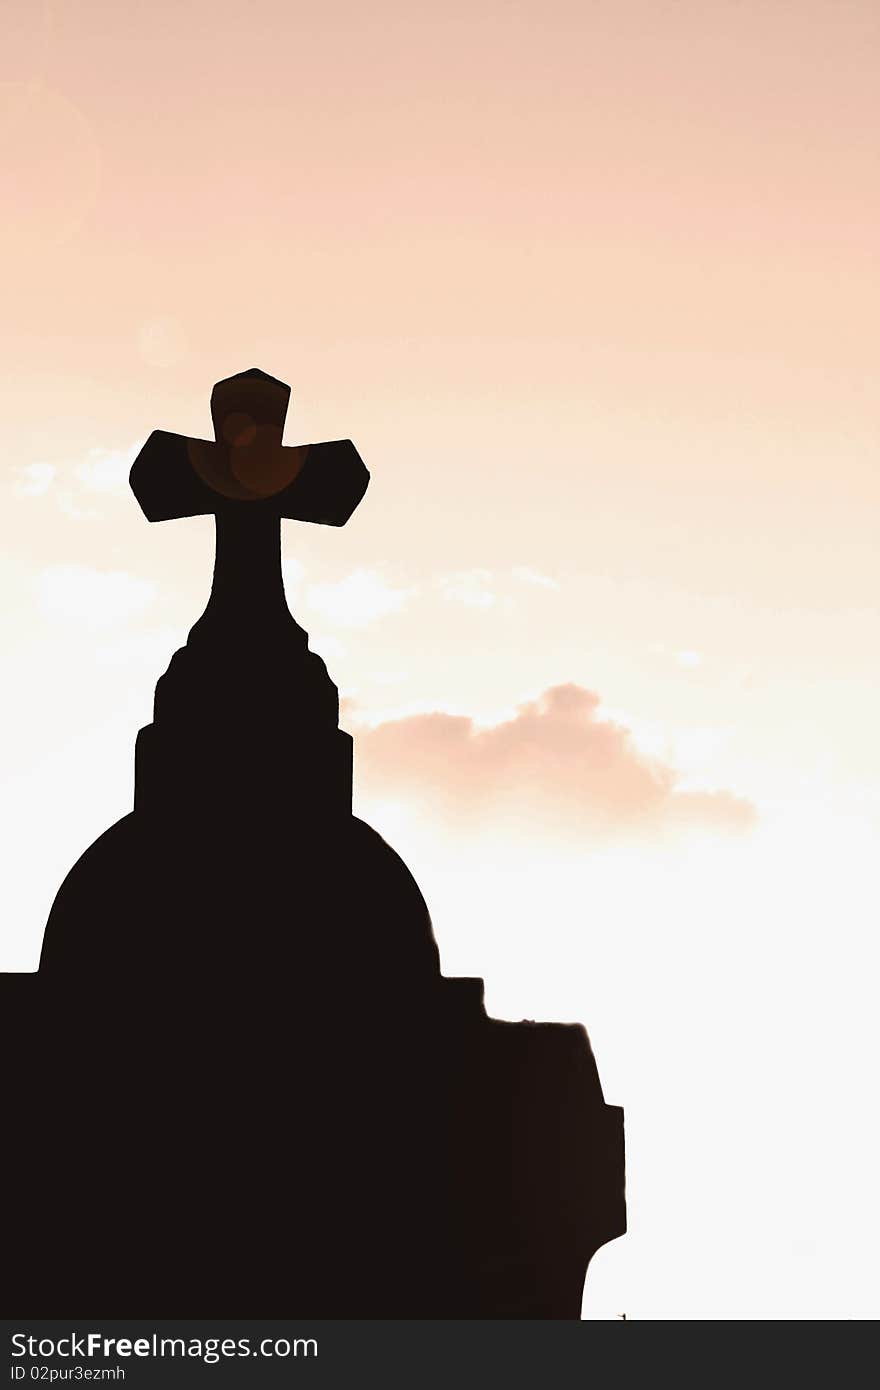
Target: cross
[(249, 481)]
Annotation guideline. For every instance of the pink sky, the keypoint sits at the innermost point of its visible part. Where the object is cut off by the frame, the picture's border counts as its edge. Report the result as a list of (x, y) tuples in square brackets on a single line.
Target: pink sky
[(593, 288)]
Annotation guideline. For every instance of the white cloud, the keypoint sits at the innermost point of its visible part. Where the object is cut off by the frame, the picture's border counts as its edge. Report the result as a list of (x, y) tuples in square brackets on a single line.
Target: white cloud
[(471, 587), (388, 677), (533, 576), (329, 648), (107, 470), (66, 499), (483, 588), (689, 659), (92, 596), (361, 598), (292, 572), (152, 650), (103, 472), (34, 479)]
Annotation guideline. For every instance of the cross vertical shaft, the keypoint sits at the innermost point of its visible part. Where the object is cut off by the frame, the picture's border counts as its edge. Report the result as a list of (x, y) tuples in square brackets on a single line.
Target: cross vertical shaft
[(247, 591)]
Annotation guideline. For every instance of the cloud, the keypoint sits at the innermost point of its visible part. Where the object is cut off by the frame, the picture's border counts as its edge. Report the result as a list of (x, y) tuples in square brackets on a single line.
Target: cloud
[(92, 596), (152, 649), (292, 574), (484, 588), (361, 598), (555, 769), (331, 650), (107, 470), (102, 473), (527, 575), (471, 587), (34, 479)]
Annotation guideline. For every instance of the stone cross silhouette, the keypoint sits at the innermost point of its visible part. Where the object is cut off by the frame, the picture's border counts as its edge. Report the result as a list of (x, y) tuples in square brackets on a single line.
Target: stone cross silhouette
[(249, 481)]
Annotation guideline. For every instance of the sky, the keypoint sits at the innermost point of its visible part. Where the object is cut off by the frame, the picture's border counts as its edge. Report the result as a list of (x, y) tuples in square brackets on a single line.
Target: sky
[(592, 286)]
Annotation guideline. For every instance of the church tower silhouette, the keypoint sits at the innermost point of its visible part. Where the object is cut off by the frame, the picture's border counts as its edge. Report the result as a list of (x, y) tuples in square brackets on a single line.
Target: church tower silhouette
[(242, 1087)]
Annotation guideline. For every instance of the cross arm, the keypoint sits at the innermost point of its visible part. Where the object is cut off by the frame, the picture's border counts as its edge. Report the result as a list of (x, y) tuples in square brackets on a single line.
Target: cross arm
[(329, 481), (329, 486), (165, 483)]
